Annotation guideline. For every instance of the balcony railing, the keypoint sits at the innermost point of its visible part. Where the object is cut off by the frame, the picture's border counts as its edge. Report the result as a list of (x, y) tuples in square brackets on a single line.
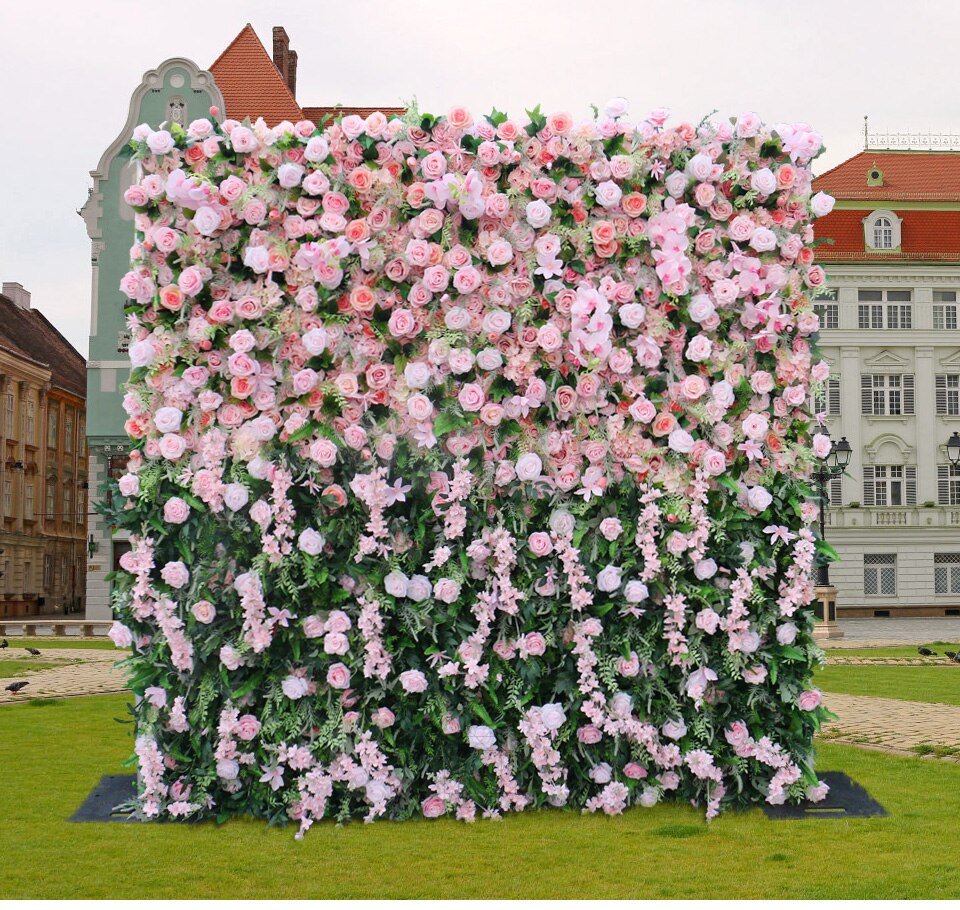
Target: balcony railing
[(893, 517)]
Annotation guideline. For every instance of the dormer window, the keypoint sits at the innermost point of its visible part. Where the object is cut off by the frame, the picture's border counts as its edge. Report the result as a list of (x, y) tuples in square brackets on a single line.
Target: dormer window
[(882, 234), (881, 231)]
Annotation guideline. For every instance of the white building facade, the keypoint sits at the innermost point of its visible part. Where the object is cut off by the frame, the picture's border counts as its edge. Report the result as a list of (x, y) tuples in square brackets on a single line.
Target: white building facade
[(889, 329)]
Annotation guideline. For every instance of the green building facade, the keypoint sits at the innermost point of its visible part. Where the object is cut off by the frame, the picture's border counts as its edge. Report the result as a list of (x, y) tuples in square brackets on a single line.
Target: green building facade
[(177, 91)]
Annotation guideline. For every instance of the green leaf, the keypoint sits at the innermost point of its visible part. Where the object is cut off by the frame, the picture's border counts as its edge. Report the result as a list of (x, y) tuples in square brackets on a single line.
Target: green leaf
[(828, 552), (481, 712), (449, 421), (495, 117)]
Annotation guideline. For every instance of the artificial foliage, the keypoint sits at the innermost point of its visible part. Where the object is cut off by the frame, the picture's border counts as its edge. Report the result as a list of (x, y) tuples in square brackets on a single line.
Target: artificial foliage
[(470, 465)]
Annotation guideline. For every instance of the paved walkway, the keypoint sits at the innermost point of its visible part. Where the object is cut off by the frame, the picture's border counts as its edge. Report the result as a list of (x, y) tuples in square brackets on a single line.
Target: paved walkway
[(893, 725), (83, 672), (877, 633), (877, 723)]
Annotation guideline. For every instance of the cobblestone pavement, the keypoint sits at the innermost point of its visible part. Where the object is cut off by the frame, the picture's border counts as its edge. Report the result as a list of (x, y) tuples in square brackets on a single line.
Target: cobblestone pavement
[(877, 633), (894, 726), (83, 672), (878, 723)]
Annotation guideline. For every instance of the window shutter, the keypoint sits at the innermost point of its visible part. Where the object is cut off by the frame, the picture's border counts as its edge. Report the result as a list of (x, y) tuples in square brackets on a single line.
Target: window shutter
[(836, 492), (833, 396), (908, 393), (866, 394), (941, 394), (943, 484), (868, 496), (910, 473)]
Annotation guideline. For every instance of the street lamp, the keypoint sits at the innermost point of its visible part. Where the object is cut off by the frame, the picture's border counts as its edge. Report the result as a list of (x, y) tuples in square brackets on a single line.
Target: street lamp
[(953, 449), (833, 465)]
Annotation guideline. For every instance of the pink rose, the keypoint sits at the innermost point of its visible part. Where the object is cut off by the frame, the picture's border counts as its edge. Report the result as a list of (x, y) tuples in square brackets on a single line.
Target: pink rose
[(535, 644), (589, 734), (433, 807), (246, 727), (383, 718), (809, 700), (402, 323), (338, 676), (175, 511), (413, 681), (540, 543), (471, 397), (203, 611), (446, 590)]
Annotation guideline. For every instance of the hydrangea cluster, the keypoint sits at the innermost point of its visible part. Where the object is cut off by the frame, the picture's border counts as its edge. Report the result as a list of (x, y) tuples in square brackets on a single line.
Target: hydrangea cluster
[(470, 464)]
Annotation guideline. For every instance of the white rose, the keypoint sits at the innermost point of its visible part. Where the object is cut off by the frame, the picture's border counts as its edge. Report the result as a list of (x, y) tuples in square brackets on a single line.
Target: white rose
[(481, 737), (529, 466), (311, 541), (417, 375), (538, 213), (763, 181), (609, 578), (396, 584), (632, 315), (235, 496), (489, 359), (787, 633), (635, 592), (419, 588), (167, 420), (553, 716), (608, 194), (315, 340), (759, 498), (562, 523), (822, 204)]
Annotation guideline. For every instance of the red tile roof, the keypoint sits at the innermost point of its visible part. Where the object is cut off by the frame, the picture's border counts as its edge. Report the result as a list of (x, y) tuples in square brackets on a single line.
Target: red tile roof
[(30, 334), (251, 83), (907, 176), (925, 235)]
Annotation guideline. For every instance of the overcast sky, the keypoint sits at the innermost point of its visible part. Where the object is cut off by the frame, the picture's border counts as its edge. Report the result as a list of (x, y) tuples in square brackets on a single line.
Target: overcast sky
[(68, 69)]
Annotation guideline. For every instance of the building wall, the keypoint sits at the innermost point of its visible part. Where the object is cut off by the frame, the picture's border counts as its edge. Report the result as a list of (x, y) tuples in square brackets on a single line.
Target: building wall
[(42, 497), (915, 531), (177, 87)]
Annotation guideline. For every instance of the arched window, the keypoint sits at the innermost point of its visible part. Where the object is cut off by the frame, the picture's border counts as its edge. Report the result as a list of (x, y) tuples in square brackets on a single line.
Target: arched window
[(882, 234), (881, 231)]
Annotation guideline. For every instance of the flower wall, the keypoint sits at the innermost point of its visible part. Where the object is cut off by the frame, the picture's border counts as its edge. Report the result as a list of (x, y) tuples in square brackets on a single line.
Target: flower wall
[(470, 465)]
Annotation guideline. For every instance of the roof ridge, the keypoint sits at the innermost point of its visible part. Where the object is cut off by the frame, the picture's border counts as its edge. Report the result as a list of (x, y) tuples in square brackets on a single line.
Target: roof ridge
[(229, 47)]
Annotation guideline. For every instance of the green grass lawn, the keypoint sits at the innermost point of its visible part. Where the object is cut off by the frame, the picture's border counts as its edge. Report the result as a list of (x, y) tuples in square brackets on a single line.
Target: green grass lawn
[(9, 668), (940, 685), (53, 752), (98, 644)]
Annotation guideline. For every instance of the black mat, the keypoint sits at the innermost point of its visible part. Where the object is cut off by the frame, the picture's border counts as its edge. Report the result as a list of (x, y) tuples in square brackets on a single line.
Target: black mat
[(112, 791), (846, 799)]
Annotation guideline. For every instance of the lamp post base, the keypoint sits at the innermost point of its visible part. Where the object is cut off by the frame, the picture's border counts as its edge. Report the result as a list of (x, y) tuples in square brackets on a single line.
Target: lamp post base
[(825, 609)]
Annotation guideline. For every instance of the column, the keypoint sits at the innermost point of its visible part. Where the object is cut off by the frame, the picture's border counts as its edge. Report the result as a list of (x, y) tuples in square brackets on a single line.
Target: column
[(926, 441), (851, 417)]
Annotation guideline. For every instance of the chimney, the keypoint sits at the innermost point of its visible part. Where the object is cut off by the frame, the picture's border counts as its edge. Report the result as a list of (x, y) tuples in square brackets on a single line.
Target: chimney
[(17, 293), (281, 51), (292, 73)]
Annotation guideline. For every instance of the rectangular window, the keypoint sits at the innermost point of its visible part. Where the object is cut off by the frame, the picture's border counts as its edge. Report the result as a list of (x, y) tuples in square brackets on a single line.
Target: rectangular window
[(898, 312), (9, 415), (899, 316), (68, 502), (890, 485), (948, 485), (68, 432), (8, 498), (47, 572), (28, 501), (53, 428), (51, 508), (29, 434), (81, 507), (887, 394), (829, 314), (948, 394), (63, 571), (944, 316), (946, 573), (880, 574), (944, 296)]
